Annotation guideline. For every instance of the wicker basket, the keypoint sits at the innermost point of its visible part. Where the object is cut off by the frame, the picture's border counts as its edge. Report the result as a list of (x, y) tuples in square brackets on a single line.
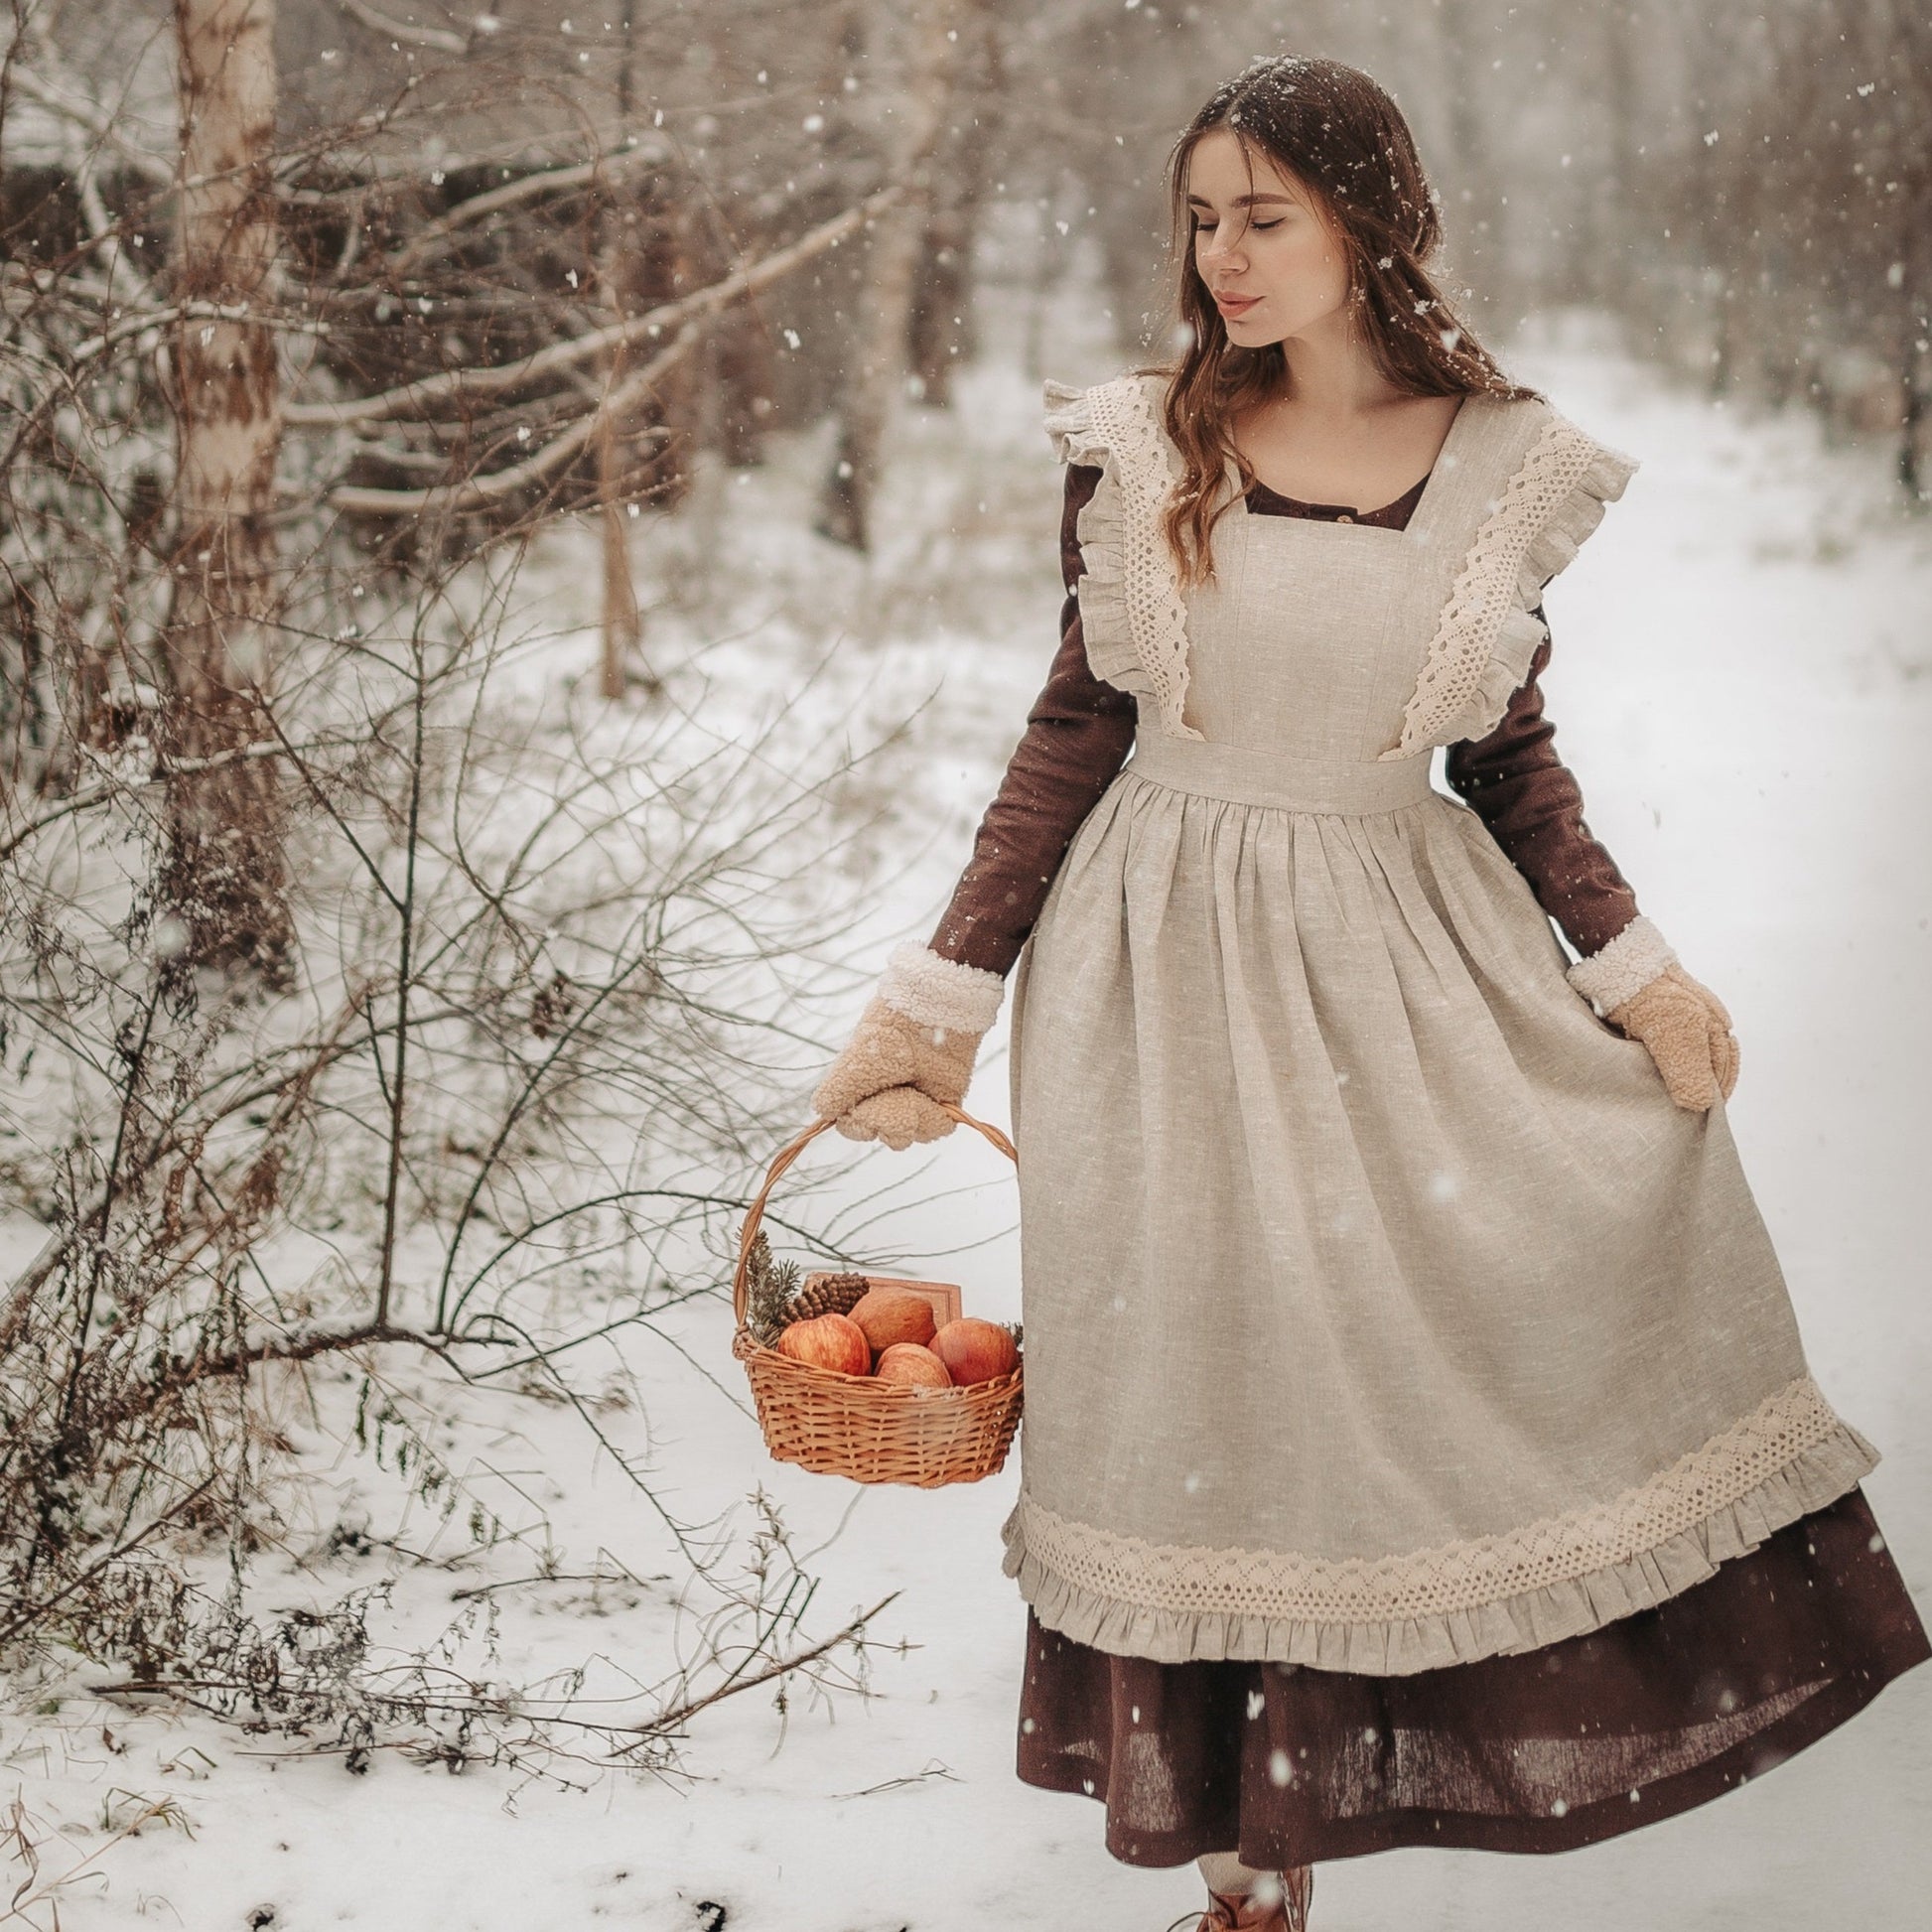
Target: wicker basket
[(853, 1426)]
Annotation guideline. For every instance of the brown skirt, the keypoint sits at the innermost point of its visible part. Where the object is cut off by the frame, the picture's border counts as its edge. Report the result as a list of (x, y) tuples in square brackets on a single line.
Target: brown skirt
[(1541, 1751)]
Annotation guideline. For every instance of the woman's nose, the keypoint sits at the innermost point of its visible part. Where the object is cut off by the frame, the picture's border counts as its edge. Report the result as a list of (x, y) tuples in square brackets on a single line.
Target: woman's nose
[(1217, 250)]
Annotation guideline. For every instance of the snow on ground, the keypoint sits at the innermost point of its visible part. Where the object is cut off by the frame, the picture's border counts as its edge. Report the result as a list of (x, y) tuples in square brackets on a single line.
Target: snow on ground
[(1743, 680)]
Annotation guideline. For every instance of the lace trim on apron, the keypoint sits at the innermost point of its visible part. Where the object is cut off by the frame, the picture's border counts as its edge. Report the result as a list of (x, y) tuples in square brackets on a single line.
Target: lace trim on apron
[(1484, 639), (1130, 611), (1134, 619), (1392, 1615)]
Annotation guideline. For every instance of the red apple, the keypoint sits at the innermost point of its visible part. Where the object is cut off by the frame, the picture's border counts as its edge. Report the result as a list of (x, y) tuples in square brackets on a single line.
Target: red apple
[(890, 1315), (975, 1350), (828, 1342), (913, 1367)]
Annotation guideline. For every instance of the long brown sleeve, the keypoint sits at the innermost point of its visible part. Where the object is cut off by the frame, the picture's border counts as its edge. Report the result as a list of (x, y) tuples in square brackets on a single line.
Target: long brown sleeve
[(1534, 808), (1078, 733)]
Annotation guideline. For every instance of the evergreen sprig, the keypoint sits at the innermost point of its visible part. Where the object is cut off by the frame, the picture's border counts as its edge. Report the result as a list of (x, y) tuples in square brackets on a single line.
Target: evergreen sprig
[(770, 1288)]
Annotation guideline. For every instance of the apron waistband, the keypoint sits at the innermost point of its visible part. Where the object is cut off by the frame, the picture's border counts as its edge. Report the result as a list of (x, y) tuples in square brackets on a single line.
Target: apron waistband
[(1280, 778)]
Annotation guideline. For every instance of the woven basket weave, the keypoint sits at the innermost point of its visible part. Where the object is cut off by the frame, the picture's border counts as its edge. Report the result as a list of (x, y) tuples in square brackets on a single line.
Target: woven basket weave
[(853, 1426)]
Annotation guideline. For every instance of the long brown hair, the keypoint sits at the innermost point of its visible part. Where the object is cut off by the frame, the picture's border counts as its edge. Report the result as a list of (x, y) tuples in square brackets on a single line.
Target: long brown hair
[(1335, 132)]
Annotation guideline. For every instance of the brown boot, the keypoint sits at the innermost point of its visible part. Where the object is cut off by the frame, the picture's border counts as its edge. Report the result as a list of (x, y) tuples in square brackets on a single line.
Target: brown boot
[(1286, 1911)]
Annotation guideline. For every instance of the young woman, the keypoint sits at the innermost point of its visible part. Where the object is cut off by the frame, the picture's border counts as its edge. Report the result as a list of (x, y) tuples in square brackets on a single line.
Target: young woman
[(1419, 1445)]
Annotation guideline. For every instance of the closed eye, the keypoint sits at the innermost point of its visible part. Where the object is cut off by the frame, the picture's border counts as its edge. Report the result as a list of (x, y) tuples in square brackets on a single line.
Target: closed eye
[(1263, 226)]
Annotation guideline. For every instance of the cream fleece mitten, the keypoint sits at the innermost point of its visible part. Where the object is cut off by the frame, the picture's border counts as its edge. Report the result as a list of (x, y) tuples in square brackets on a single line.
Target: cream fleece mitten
[(1636, 984), (912, 1049)]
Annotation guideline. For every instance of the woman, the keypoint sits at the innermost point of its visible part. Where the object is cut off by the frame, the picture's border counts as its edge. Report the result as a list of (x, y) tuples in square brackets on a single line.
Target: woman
[(1418, 1444)]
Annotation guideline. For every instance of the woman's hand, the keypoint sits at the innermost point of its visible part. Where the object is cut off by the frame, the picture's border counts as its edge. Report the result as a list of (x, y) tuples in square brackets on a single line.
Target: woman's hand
[(1688, 1032), (887, 1082), (911, 1053)]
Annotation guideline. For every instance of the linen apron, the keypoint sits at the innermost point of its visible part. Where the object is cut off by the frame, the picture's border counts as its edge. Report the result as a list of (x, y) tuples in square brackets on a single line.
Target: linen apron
[(1382, 1310)]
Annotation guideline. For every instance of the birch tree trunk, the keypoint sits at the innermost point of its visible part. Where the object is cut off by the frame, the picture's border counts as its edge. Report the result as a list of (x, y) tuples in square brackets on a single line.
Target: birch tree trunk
[(845, 508), (623, 624), (225, 876)]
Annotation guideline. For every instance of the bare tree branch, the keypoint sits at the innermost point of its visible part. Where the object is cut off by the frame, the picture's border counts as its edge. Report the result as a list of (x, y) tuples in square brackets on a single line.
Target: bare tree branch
[(513, 194), (496, 380), (91, 346), (155, 172), (439, 39), (97, 794), (491, 488), (781, 1667)]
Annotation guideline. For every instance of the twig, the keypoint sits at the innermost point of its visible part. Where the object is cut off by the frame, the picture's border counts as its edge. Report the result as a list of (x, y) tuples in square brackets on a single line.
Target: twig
[(559, 1577), (548, 181), (934, 1770), (26, 1618), (406, 916), (492, 381), (182, 1372), (407, 33), (155, 172), (683, 1713), (475, 492), (92, 345), (164, 773)]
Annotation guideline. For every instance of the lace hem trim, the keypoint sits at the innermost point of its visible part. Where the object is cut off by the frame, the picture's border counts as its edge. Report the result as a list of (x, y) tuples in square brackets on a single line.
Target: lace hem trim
[(1396, 1615), (1132, 615), (1486, 633)]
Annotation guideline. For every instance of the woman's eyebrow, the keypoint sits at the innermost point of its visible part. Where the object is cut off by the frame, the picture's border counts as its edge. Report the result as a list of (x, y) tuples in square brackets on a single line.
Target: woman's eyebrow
[(1240, 200)]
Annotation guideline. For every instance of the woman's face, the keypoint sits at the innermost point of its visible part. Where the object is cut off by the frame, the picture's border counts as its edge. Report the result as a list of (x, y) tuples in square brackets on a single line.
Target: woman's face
[(1270, 259)]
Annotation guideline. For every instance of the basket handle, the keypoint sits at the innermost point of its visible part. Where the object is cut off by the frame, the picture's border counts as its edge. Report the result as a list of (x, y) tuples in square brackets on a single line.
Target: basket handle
[(783, 1159)]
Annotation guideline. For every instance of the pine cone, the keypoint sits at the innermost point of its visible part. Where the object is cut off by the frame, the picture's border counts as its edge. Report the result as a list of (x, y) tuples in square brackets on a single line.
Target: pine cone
[(829, 1295)]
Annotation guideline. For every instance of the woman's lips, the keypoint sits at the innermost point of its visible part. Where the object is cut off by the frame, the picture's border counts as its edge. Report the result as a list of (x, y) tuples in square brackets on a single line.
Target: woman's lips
[(1235, 305)]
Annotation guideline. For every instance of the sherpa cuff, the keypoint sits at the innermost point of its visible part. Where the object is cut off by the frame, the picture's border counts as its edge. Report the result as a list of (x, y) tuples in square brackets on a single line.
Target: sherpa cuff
[(937, 992), (1626, 965)]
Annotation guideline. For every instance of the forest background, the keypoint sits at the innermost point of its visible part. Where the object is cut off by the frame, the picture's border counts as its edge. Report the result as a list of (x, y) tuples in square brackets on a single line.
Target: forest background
[(524, 541)]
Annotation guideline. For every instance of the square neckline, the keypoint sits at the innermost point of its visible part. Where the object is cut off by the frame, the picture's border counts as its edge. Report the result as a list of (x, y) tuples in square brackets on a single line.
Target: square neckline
[(1350, 519)]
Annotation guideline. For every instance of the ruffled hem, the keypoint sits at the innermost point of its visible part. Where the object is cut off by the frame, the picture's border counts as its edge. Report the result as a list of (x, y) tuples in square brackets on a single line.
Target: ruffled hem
[(1106, 626), (1550, 551), (1816, 1475)]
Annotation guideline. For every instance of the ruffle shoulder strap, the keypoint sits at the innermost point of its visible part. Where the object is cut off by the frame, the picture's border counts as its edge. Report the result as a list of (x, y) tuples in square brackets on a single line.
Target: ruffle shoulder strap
[(1486, 633), (1069, 424), (1131, 616)]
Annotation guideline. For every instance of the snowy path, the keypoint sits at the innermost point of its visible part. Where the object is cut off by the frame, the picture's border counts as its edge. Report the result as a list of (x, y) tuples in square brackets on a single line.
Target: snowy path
[(1743, 680)]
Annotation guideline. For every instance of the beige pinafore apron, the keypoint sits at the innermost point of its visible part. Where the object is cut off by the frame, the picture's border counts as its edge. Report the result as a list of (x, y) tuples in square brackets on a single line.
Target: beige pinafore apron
[(1382, 1312)]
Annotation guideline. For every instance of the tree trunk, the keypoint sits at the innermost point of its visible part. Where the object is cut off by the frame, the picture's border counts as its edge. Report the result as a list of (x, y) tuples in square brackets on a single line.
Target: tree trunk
[(748, 386), (1618, 286), (941, 331), (226, 877), (845, 509), (624, 624)]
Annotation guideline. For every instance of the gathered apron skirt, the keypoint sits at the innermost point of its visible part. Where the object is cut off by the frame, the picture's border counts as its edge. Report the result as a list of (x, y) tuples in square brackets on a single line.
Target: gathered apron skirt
[(1418, 1444)]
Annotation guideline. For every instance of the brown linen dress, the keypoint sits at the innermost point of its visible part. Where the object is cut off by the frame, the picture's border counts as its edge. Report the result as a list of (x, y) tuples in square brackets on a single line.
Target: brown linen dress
[(1537, 1750)]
